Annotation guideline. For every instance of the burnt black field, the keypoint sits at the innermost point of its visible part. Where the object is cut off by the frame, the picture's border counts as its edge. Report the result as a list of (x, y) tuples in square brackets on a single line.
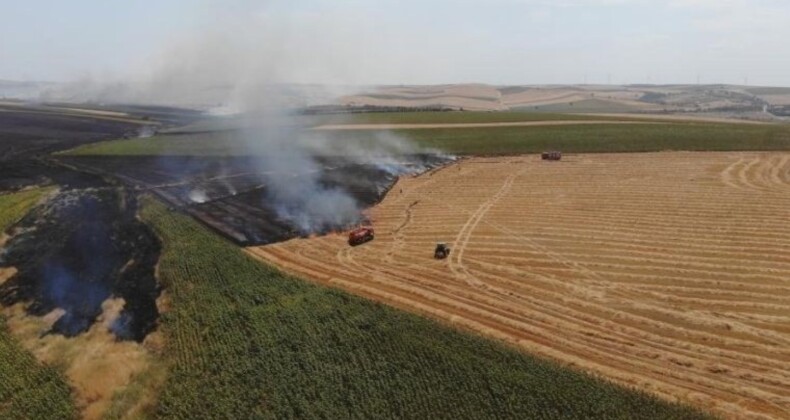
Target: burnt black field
[(85, 244), (76, 251), (29, 135), (229, 194)]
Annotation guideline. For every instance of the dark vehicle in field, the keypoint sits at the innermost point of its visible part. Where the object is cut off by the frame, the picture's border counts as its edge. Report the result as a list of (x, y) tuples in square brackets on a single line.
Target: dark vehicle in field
[(442, 251), (359, 236), (551, 155)]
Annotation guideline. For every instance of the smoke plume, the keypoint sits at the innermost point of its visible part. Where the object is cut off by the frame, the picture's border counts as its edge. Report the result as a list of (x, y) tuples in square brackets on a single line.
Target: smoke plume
[(259, 63), (292, 174)]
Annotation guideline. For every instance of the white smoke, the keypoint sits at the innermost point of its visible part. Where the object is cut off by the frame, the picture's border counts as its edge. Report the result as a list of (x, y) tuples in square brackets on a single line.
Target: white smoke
[(146, 131), (292, 174), (248, 65), (276, 53), (198, 196)]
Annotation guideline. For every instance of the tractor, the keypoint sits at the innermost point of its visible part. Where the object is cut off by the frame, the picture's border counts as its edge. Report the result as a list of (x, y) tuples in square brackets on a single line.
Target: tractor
[(360, 235), (442, 251)]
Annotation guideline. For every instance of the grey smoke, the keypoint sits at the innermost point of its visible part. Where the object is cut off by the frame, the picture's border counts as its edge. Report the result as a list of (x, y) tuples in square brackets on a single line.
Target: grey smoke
[(146, 131), (266, 54), (292, 174), (198, 196), (246, 67)]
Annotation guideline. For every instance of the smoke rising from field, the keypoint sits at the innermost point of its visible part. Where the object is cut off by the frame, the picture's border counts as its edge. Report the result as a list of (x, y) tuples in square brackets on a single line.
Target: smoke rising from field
[(292, 174), (258, 62), (248, 65)]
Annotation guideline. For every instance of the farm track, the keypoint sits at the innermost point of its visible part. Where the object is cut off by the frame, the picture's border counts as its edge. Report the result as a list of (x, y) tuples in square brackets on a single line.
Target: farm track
[(665, 271)]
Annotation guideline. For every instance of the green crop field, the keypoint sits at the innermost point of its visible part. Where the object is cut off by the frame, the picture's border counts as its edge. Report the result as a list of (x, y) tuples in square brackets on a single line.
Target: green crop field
[(461, 117), (14, 206), (450, 117), (28, 389), (247, 341), (605, 138), (200, 144), (496, 140)]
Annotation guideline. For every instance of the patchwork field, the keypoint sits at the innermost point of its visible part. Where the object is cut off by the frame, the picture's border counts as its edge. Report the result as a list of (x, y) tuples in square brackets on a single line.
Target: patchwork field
[(666, 271), (739, 100), (245, 340), (470, 133)]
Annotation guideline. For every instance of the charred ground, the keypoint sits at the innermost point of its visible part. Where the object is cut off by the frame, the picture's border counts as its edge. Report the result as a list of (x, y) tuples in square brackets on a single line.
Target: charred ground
[(84, 244), (77, 250), (29, 133), (229, 194), (27, 136)]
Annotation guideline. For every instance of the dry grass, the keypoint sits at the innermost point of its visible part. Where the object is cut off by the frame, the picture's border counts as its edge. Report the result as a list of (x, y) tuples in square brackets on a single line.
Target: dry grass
[(6, 273), (95, 363), (666, 271)]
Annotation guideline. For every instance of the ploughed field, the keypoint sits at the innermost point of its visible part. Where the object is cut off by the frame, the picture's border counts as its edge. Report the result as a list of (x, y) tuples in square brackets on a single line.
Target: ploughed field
[(666, 271)]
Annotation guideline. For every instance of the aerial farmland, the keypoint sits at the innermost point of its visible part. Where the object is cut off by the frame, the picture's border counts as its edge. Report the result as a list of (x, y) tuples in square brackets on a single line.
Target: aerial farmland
[(395, 210), (666, 271)]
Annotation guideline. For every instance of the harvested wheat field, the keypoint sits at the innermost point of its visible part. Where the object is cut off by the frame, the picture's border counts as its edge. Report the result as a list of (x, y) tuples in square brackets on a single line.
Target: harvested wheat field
[(666, 271)]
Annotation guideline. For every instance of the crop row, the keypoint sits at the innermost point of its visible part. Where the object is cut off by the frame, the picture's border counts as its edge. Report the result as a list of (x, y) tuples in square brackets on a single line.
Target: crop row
[(28, 389), (248, 341)]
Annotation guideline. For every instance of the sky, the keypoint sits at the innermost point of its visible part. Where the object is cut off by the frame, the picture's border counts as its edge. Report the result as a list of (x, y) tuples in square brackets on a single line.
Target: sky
[(365, 42)]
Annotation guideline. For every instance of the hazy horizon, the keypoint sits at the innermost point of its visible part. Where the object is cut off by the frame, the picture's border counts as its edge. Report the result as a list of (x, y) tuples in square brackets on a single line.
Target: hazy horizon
[(500, 42)]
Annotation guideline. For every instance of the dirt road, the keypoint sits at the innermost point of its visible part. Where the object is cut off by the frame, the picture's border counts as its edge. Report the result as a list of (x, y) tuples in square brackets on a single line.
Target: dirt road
[(666, 271)]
